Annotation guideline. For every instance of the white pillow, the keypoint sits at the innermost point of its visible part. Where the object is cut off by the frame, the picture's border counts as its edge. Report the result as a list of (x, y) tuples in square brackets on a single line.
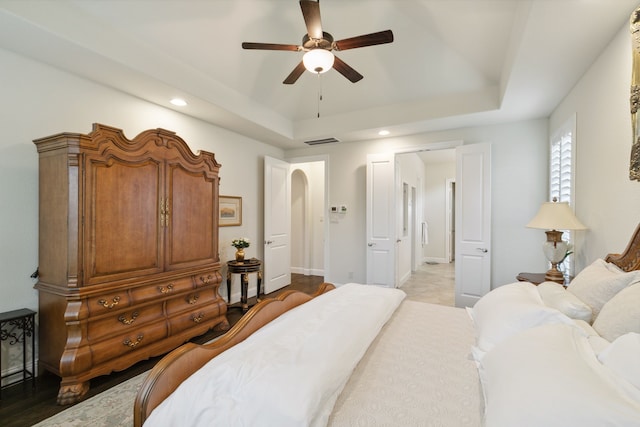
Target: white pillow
[(548, 376), (586, 328), (620, 315), (622, 356), (614, 268), (598, 283), (597, 343), (556, 296), (508, 310)]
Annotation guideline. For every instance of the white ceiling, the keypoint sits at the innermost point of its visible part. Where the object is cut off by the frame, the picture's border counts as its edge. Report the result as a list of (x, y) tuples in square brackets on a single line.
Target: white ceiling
[(453, 63)]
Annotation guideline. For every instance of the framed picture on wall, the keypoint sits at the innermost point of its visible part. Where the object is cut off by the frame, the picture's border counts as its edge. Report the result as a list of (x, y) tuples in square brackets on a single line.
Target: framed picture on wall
[(230, 211)]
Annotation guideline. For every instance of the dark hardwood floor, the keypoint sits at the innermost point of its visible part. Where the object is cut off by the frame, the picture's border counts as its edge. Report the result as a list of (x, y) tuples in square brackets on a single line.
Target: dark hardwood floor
[(23, 406)]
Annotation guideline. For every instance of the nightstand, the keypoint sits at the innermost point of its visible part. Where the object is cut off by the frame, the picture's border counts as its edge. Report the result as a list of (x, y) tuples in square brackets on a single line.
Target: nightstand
[(243, 268), (536, 278)]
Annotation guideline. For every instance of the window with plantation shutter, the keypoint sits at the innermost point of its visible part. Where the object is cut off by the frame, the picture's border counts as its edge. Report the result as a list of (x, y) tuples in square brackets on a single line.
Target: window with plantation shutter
[(561, 174)]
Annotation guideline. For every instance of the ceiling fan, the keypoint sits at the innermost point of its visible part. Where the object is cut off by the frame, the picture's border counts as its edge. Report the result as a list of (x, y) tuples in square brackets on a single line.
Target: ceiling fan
[(319, 45)]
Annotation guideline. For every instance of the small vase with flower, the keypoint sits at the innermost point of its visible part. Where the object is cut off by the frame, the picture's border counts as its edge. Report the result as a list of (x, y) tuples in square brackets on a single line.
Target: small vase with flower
[(240, 244)]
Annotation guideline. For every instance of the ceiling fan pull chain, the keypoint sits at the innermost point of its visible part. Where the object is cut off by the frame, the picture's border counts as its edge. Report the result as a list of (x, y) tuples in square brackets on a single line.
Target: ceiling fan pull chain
[(319, 93)]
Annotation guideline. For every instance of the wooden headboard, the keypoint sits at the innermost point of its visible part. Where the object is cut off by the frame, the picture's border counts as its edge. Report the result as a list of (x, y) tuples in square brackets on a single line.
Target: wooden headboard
[(629, 260)]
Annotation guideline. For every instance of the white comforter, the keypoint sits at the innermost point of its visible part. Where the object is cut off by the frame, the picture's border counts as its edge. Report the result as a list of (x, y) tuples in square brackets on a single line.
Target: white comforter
[(289, 373)]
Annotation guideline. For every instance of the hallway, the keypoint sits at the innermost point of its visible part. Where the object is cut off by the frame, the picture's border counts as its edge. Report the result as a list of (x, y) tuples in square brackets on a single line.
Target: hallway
[(432, 283)]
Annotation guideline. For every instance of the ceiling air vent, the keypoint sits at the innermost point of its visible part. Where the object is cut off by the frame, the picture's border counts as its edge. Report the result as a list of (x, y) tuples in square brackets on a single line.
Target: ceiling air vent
[(322, 141)]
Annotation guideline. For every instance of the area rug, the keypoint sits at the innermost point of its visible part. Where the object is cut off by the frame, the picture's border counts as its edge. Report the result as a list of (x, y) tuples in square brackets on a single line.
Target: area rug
[(111, 408)]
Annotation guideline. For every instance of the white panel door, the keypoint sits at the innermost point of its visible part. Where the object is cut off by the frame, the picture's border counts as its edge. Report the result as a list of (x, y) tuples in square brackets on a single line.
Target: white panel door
[(380, 221), (277, 224), (473, 223)]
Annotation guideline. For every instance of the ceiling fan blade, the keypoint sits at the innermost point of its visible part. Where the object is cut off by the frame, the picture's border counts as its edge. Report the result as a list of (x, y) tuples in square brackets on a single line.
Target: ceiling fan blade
[(344, 69), (270, 46), (295, 74), (311, 15), (380, 37)]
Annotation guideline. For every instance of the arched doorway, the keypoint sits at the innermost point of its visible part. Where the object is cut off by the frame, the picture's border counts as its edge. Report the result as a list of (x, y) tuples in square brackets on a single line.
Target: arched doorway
[(307, 227)]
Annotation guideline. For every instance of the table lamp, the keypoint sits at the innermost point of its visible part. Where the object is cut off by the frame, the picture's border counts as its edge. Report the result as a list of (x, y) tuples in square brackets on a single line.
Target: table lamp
[(555, 216)]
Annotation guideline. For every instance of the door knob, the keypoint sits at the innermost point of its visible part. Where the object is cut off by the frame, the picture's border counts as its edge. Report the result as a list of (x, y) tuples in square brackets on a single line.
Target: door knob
[(483, 250), (371, 244), (268, 242)]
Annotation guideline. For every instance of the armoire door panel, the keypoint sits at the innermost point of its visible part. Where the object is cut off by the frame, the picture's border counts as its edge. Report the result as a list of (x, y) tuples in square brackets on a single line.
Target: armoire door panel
[(125, 230), (192, 217)]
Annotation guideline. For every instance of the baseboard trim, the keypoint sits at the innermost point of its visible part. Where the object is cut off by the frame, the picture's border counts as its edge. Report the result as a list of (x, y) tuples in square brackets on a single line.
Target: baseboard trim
[(307, 271), (434, 259)]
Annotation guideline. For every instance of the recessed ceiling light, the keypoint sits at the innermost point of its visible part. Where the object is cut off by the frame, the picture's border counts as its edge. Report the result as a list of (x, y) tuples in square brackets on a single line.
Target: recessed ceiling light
[(383, 132), (178, 102)]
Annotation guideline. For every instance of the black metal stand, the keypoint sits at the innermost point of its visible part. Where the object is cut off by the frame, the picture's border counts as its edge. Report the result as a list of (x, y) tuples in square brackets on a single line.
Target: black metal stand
[(16, 326)]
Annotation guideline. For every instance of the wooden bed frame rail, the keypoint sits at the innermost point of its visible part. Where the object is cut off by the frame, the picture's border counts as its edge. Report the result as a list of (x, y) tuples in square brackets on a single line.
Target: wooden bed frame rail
[(170, 371)]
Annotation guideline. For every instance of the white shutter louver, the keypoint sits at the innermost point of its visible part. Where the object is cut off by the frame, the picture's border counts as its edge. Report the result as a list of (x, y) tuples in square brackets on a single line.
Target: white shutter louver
[(561, 172)]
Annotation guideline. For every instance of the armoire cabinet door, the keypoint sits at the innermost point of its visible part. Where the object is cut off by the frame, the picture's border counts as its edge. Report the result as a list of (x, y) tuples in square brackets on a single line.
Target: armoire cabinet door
[(124, 233), (192, 231)]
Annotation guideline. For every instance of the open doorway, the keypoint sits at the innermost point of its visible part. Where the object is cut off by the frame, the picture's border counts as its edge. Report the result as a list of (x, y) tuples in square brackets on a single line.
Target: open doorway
[(432, 275), (313, 240), (307, 218), (385, 175)]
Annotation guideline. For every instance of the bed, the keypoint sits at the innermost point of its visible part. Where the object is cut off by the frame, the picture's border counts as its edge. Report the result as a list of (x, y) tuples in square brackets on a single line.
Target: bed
[(358, 355)]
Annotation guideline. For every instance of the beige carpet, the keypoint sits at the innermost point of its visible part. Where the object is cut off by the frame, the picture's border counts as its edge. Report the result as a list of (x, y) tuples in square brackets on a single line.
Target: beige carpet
[(114, 407), (432, 283)]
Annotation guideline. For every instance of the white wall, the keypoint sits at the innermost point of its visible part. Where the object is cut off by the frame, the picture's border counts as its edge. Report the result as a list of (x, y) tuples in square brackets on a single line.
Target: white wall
[(38, 101), (435, 208), (606, 201), (519, 184)]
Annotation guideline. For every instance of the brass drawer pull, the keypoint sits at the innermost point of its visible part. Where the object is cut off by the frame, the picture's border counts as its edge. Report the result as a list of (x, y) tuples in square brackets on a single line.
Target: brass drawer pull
[(166, 290), (197, 318), (206, 280), (191, 299), (126, 321), (133, 344), (105, 304)]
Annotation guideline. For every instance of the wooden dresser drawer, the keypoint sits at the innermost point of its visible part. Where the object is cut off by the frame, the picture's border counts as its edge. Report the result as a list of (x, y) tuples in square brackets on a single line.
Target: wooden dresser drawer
[(208, 279), (123, 321), (128, 341), (109, 301), (190, 301), (161, 289), (197, 315)]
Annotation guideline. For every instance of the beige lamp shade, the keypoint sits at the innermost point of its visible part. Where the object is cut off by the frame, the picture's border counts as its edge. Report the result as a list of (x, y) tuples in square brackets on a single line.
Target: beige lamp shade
[(556, 216)]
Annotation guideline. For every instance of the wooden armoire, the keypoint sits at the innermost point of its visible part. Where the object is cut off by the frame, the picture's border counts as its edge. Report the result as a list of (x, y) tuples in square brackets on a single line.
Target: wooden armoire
[(128, 263)]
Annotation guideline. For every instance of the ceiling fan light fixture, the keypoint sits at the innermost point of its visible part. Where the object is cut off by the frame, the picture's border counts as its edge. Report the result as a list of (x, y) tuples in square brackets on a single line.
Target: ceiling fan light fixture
[(318, 60)]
